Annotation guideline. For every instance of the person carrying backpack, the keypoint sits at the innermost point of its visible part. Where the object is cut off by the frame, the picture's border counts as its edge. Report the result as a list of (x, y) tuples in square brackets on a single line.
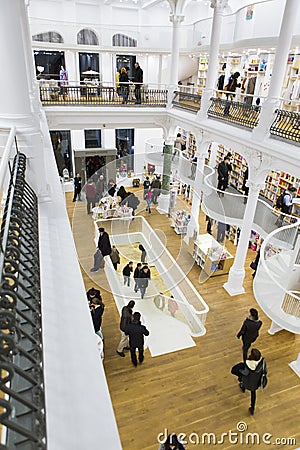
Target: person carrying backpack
[(284, 202)]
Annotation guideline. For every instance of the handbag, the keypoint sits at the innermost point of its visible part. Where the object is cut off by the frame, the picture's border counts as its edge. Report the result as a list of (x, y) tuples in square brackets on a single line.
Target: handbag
[(264, 378), (253, 265)]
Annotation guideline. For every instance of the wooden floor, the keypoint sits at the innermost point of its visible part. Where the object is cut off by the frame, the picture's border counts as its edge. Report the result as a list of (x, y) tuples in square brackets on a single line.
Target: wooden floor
[(192, 391)]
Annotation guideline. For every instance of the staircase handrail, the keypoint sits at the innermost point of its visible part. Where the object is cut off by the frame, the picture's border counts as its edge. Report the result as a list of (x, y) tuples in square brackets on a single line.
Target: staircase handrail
[(6, 154), (263, 259)]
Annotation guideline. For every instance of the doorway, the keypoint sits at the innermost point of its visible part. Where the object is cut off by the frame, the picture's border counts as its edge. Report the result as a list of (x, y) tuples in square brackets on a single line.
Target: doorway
[(125, 146), (126, 61), (61, 143), (89, 61), (51, 61)]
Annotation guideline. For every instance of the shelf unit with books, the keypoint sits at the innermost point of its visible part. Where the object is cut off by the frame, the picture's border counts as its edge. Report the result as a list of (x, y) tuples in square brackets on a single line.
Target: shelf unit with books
[(211, 256)]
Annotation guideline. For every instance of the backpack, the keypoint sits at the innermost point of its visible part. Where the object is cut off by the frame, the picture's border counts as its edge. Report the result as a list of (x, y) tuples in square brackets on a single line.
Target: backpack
[(279, 201)]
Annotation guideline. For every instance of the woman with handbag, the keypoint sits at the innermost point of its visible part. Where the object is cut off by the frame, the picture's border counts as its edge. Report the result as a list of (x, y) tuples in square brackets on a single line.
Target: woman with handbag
[(252, 376)]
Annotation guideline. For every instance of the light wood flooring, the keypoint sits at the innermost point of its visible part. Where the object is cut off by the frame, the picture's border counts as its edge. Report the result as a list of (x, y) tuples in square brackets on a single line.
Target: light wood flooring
[(192, 391)]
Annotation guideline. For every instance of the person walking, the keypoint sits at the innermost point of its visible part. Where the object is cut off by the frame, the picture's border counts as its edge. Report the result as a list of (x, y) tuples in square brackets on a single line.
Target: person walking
[(138, 81), (97, 313), (90, 193), (144, 280), (100, 187), (144, 253), (221, 229), (115, 257), (177, 148), (224, 168), (126, 318), (103, 249), (156, 188), (287, 204), (77, 187), (124, 84), (249, 331), (231, 88), (136, 332), (126, 273), (250, 376), (136, 276), (146, 185), (149, 197)]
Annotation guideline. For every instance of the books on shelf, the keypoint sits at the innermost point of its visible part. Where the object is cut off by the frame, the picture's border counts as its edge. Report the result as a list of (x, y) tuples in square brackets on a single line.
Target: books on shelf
[(211, 256), (180, 221)]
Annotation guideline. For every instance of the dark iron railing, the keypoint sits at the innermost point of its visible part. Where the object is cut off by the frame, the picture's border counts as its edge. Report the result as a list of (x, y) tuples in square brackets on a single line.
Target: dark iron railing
[(186, 100), (99, 95), (22, 402), (286, 125), (234, 112)]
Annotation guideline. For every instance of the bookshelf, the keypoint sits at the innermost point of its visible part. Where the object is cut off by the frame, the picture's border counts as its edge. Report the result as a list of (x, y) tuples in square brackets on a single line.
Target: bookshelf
[(180, 221), (202, 73), (211, 256)]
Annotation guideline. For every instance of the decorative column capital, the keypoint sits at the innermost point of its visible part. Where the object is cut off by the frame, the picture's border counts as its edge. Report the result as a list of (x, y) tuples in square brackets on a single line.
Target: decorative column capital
[(218, 5), (259, 166), (254, 186), (176, 19)]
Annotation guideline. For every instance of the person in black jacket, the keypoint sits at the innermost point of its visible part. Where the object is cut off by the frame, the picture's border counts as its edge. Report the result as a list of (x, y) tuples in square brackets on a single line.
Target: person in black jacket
[(77, 187), (144, 253), (126, 273), (136, 332), (138, 81), (144, 280), (146, 185), (249, 331), (136, 276), (104, 249), (250, 375), (126, 318), (97, 313), (224, 168)]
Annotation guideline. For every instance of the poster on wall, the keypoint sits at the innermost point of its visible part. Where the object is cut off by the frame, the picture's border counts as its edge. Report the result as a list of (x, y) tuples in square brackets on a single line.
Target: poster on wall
[(249, 12)]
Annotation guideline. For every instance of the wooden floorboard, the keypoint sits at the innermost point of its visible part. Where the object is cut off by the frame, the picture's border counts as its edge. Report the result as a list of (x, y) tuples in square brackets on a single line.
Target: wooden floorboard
[(192, 391)]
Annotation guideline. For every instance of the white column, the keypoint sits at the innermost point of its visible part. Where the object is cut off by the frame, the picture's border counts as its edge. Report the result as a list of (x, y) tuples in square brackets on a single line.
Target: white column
[(14, 75), (176, 21), (234, 285), (19, 105), (285, 38), (213, 63)]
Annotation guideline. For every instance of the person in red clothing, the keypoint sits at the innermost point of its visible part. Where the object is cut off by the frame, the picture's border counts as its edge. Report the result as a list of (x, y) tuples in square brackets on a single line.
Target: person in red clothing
[(90, 193)]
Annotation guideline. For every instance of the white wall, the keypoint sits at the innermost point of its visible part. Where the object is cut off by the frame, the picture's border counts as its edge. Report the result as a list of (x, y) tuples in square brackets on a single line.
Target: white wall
[(108, 138), (140, 135), (77, 139)]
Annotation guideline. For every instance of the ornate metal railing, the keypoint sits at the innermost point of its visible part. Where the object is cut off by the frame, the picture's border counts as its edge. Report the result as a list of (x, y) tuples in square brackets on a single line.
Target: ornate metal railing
[(99, 95), (286, 125), (185, 100), (234, 112), (22, 402)]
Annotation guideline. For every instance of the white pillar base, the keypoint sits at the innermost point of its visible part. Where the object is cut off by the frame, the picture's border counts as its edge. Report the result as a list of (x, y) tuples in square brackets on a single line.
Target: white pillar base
[(234, 285), (295, 365), (274, 328), (163, 203)]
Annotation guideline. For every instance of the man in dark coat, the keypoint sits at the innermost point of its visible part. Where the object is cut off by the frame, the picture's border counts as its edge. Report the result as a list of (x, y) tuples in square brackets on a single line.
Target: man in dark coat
[(126, 319), (249, 331), (138, 81), (224, 168), (136, 332), (136, 276), (104, 249), (77, 187)]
